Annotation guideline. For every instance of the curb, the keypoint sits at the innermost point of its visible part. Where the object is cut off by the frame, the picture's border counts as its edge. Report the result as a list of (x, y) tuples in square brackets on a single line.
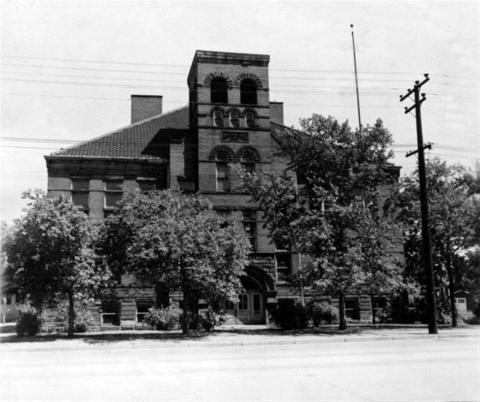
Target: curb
[(60, 344)]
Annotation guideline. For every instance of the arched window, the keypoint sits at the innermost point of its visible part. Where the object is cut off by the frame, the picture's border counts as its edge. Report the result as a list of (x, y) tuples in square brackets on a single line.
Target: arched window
[(234, 118), (248, 92), (218, 118), (222, 156), (248, 156), (250, 118), (219, 90)]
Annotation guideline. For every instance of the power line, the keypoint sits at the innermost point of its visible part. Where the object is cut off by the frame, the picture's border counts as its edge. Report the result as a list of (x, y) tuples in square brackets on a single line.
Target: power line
[(69, 96), (93, 69), (161, 82), (178, 101), (42, 66), (27, 139), (338, 90), (187, 66)]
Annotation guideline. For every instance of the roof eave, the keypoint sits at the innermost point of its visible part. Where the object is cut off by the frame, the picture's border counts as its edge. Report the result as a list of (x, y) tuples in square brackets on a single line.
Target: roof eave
[(106, 158)]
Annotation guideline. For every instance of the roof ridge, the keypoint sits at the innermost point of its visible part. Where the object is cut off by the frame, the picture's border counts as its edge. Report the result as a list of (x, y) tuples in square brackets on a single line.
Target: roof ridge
[(157, 116)]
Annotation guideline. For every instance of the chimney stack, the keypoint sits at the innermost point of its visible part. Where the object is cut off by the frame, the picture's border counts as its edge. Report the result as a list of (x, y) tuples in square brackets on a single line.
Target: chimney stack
[(276, 112), (145, 106)]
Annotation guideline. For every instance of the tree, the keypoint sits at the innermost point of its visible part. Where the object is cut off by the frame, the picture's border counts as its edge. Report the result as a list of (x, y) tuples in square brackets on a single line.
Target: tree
[(325, 218), (177, 240), (452, 220), (50, 253)]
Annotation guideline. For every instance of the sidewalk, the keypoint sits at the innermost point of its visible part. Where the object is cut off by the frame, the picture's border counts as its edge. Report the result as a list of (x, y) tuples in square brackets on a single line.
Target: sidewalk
[(228, 336)]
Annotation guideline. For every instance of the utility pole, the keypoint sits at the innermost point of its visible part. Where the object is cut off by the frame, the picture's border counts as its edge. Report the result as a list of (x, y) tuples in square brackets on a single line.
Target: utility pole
[(356, 80), (427, 247)]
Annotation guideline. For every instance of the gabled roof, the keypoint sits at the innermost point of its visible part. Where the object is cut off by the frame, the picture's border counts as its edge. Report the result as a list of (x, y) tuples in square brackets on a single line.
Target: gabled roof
[(132, 141)]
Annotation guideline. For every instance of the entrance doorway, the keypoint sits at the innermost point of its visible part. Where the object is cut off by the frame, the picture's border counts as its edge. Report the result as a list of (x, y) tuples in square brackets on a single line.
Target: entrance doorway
[(250, 308)]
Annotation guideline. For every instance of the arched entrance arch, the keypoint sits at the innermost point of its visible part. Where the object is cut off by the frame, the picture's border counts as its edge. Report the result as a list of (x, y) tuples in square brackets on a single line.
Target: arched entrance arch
[(251, 307)]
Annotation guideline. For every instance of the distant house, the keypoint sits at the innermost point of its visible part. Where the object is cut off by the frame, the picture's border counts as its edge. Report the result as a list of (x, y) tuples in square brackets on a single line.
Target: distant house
[(229, 118)]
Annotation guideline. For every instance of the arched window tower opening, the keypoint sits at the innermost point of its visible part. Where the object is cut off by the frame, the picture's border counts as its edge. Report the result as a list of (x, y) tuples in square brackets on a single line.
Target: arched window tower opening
[(219, 90), (248, 92), (250, 119), (218, 118)]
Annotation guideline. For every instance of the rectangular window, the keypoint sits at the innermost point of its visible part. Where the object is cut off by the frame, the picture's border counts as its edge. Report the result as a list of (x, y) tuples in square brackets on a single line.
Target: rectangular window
[(223, 179), (113, 193), (110, 312), (283, 267), (142, 309), (249, 221), (352, 309), (147, 185), (379, 303), (80, 188)]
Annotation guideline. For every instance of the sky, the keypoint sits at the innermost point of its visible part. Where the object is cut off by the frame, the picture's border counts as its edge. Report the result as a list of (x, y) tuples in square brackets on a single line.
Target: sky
[(68, 69)]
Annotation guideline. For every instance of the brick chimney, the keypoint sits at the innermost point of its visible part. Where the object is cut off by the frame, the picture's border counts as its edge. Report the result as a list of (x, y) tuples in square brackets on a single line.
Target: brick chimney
[(145, 106), (276, 112)]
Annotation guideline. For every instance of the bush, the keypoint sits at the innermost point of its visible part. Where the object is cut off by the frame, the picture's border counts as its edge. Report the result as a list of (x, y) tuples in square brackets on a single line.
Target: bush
[(29, 320), (383, 315), (476, 310), (321, 313), (167, 318), (290, 314), (83, 319), (404, 313), (208, 320)]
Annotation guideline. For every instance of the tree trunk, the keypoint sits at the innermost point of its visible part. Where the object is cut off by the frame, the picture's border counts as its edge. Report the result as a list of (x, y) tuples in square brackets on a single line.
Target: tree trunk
[(451, 288), (71, 314), (341, 311), (187, 316), (372, 304)]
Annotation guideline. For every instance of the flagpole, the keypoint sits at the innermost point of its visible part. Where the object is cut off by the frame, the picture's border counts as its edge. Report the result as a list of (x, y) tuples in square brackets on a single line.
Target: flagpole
[(356, 81)]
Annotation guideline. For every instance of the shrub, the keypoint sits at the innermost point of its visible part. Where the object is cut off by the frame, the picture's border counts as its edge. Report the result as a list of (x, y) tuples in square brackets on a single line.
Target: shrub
[(290, 314), (167, 318), (83, 319), (476, 310), (321, 313), (29, 320), (382, 315), (404, 313), (208, 320), (474, 320)]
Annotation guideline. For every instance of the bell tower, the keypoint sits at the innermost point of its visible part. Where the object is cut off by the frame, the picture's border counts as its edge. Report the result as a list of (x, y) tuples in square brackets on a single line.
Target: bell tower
[(229, 117)]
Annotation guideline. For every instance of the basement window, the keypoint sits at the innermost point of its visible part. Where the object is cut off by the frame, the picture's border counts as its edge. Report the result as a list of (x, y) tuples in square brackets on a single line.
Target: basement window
[(146, 185), (352, 309), (142, 309)]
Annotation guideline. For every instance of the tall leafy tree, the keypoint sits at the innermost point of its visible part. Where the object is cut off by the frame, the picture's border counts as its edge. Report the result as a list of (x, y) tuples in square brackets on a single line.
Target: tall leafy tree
[(326, 216), (452, 220), (177, 240), (49, 252)]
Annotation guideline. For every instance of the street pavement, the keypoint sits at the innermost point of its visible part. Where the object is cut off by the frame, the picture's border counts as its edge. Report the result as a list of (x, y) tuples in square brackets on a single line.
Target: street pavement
[(398, 365)]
